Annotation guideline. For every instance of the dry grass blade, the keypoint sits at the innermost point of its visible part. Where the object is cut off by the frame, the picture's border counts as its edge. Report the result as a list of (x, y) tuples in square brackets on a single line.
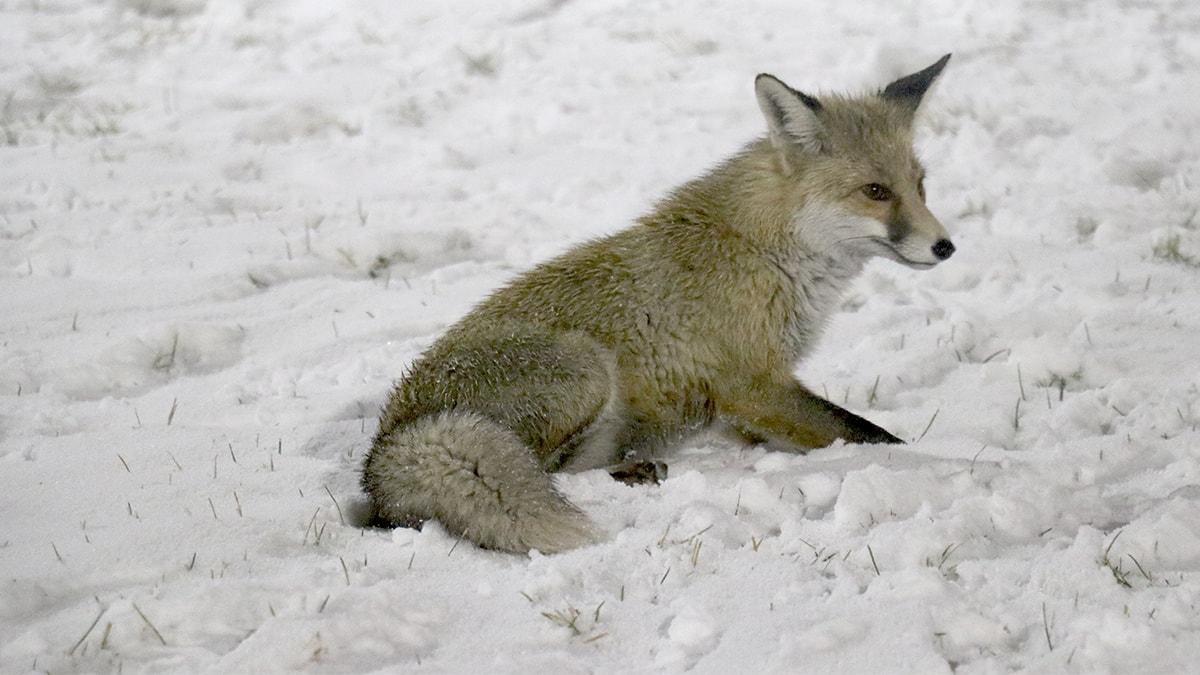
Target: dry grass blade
[(337, 506), (929, 425), (151, 625), (87, 632)]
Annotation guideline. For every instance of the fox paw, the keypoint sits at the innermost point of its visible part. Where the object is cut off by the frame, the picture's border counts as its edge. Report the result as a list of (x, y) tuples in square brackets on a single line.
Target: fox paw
[(640, 472)]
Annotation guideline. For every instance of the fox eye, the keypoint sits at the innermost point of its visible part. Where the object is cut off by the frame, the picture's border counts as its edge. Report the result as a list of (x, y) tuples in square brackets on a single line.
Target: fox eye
[(877, 192), (921, 189)]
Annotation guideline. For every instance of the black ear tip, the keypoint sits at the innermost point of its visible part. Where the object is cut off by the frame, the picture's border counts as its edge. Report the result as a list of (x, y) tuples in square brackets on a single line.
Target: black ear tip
[(936, 69), (910, 89)]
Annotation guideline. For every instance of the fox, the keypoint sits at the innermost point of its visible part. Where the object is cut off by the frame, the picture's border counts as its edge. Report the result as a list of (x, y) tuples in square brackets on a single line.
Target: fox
[(693, 318)]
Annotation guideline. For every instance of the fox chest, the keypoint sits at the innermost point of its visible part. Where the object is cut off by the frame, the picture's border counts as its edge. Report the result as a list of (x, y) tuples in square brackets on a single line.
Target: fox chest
[(805, 295)]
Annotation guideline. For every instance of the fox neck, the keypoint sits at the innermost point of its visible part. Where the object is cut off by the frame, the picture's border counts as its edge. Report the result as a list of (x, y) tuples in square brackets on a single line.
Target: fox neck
[(798, 234), (816, 284), (751, 198)]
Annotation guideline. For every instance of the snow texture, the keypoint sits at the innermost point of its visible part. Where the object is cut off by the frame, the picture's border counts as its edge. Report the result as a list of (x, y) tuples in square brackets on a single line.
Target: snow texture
[(225, 227)]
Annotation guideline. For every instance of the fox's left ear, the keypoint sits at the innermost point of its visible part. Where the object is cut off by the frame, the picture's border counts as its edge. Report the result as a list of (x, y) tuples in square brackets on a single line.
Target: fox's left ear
[(909, 90), (791, 116)]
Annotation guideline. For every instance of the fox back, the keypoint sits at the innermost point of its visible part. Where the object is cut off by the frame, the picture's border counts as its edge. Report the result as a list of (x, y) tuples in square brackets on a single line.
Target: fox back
[(694, 317)]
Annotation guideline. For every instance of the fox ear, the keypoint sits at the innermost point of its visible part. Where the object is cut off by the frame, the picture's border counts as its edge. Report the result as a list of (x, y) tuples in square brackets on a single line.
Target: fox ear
[(791, 115), (909, 90)]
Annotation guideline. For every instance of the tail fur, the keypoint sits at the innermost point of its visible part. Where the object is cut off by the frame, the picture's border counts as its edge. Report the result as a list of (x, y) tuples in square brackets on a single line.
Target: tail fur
[(476, 478)]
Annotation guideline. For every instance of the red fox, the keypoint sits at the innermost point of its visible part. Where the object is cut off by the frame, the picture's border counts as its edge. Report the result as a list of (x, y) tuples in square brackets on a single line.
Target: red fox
[(693, 318)]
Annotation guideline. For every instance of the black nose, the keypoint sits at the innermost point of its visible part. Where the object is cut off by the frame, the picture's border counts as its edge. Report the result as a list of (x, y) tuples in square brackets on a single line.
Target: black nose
[(943, 249)]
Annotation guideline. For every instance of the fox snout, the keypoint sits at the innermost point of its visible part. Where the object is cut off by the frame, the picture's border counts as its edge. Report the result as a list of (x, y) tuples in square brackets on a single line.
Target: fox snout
[(915, 237), (903, 252), (917, 251)]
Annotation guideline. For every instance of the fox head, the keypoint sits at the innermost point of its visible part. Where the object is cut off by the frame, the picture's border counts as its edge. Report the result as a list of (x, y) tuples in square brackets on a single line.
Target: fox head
[(858, 188)]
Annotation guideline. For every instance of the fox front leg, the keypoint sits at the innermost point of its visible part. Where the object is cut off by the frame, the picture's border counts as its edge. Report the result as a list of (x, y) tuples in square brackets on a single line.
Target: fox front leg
[(790, 414), (850, 427)]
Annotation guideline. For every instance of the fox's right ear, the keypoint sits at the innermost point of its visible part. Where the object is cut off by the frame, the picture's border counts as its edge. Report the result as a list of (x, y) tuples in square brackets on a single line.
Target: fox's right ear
[(908, 91), (791, 116)]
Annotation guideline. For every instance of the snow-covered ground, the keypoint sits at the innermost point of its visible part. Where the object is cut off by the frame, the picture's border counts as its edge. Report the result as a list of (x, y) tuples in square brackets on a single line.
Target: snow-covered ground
[(226, 226)]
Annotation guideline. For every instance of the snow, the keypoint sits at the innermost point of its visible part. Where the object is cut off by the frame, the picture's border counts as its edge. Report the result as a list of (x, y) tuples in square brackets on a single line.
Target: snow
[(227, 226)]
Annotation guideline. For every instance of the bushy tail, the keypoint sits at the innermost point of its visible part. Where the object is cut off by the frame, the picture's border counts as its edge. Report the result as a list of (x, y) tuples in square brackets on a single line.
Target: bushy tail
[(475, 477)]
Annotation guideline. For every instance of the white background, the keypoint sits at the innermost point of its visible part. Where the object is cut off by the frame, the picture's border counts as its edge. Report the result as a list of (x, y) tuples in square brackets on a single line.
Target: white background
[(225, 227)]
